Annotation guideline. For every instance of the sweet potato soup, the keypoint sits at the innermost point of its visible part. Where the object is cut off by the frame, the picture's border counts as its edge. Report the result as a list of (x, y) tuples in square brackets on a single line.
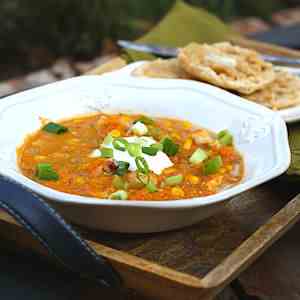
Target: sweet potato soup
[(130, 157)]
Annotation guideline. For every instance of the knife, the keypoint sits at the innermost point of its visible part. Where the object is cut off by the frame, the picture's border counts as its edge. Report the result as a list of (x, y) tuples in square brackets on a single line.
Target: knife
[(168, 52)]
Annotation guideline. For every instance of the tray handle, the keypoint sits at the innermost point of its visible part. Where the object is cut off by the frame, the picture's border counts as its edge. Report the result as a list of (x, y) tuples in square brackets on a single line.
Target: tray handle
[(251, 248)]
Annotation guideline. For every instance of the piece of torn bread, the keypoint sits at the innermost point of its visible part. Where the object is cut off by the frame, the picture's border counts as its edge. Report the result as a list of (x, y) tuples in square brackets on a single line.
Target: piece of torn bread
[(227, 66), (282, 93), (161, 68)]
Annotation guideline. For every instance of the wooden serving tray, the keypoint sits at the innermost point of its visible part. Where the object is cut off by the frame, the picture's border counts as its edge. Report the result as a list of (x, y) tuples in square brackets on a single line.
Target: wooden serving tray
[(199, 261)]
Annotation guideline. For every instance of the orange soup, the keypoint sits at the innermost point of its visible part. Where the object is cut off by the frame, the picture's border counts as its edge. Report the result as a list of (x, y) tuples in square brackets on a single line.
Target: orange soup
[(131, 157)]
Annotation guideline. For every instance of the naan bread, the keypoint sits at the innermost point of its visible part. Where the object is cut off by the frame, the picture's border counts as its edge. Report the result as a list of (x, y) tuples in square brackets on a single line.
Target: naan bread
[(161, 68), (227, 66), (282, 93)]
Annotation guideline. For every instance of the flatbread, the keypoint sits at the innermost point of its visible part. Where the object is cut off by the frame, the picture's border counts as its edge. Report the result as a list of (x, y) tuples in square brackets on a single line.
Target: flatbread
[(161, 68), (227, 66), (282, 93)]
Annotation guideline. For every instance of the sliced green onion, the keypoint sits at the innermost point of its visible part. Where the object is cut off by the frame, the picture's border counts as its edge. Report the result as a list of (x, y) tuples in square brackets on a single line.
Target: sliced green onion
[(144, 119), (119, 183), (119, 195), (55, 128), (107, 152), (122, 167), (213, 165), (142, 165), (150, 150), (143, 178), (169, 147), (107, 140), (134, 149), (198, 156), (174, 180), (45, 171), (151, 187), (225, 137), (158, 146), (120, 144)]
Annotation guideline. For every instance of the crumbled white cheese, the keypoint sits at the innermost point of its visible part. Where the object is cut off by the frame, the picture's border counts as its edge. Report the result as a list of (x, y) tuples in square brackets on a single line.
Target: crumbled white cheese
[(139, 128), (95, 153), (156, 163), (222, 60)]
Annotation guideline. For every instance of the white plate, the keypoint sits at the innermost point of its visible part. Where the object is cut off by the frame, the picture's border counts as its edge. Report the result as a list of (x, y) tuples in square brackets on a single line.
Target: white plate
[(260, 135)]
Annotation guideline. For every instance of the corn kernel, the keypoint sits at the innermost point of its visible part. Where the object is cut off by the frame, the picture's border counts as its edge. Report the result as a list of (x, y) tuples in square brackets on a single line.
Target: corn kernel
[(188, 144), (228, 167), (175, 136), (169, 171), (222, 170), (115, 133), (193, 179), (73, 141), (177, 192), (40, 157), (79, 180), (187, 124)]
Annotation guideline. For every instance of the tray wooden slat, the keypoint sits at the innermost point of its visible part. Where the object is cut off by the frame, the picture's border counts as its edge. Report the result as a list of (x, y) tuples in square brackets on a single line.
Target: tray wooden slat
[(195, 262)]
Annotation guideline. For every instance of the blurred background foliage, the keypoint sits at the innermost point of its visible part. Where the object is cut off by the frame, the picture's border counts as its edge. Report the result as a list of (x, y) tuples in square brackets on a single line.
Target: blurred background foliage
[(80, 29)]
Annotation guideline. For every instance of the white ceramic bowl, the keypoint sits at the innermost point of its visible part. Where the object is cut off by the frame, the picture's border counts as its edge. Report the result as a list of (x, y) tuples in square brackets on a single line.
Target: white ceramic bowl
[(259, 133)]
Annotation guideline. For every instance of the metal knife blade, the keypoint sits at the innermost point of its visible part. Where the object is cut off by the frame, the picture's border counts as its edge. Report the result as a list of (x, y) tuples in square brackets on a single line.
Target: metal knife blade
[(168, 52)]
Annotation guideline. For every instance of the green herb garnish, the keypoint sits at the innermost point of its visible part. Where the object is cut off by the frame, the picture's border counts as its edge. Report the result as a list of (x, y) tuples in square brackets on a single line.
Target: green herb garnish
[(107, 152), (122, 167), (119, 195), (55, 128), (198, 156), (174, 180), (142, 165), (169, 147), (134, 149), (213, 165), (151, 187), (150, 150), (107, 140), (120, 144), (45, 171), (225, 137)]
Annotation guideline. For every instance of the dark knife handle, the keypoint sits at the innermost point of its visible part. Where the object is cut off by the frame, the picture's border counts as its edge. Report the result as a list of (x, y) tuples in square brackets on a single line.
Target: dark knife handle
[(54, 234)]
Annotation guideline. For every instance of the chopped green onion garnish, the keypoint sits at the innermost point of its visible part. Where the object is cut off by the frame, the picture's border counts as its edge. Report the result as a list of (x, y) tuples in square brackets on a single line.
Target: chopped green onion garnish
[(122, 167), (134, 149), (198, 156), (145, 120), (150, 150), (107, 140), (119, 183), (55, 128), (225, 137), (158, 146), (119, 195), (120, 144), (142, 178), (213, 165), (174, 180), (151, 187), (142, 165), (169, 147), (107, 152), (45, 171)]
